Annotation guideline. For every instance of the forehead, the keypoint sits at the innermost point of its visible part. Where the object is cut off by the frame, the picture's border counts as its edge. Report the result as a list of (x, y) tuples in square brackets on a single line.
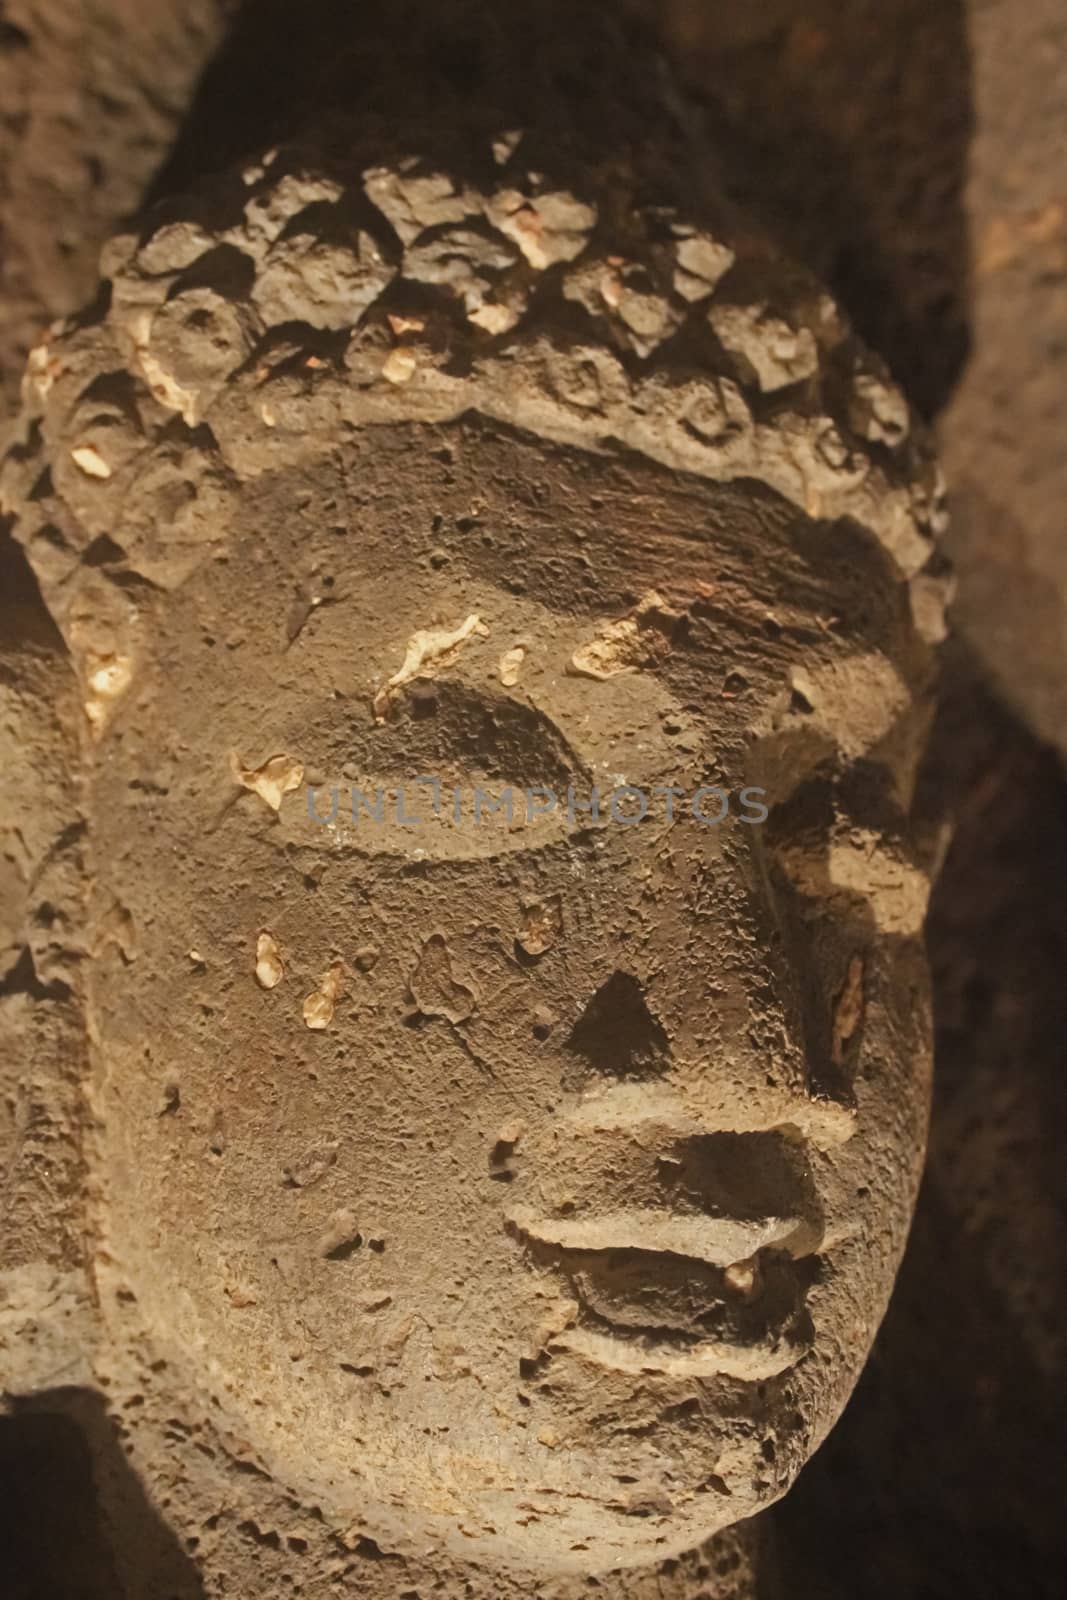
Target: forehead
[(321, 575), (584, 529), (412, 526)]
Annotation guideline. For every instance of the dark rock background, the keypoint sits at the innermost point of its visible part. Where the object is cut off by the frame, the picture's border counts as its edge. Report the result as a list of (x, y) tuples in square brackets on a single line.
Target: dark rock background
[(916, 155), (91, 94)]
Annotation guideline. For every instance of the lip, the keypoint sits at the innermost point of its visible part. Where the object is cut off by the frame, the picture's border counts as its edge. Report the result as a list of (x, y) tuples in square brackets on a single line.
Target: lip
[(719, 1241), (684, 1296)]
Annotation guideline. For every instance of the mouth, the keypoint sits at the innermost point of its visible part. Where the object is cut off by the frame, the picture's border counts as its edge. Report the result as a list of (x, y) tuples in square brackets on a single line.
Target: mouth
[(682, 1296)]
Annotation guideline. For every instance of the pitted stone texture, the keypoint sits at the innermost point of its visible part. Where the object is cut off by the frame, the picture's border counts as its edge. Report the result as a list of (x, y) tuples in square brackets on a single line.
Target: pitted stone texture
[(90, 98), (141, 483)]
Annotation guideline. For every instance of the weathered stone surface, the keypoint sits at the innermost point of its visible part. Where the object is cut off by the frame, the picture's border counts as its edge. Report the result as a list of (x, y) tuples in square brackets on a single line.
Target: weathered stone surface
[(91, 95), (993, 1370), (1003, 432), (626, 1337)]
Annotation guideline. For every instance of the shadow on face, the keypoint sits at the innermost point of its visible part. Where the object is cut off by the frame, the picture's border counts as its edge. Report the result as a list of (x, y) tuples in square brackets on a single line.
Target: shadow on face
[(75, 1523)]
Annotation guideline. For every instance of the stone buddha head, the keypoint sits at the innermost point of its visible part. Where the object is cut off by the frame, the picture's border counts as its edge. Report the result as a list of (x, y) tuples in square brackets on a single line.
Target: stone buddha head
[(505, 635)]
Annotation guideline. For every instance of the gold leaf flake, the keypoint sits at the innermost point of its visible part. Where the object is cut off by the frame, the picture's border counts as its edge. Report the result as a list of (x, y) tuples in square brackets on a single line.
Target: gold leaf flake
[(269, 968), (494, 319), (319, 1005), (629, 642), (406, 324), (426, 653), (277, 777), (91, 462), (109, 676), (511, 665), (399, 365), (540, 926)]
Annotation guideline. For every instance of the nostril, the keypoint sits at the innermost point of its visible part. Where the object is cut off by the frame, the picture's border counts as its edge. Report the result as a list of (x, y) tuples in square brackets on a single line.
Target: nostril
[(669, 1169), (617, 1034)]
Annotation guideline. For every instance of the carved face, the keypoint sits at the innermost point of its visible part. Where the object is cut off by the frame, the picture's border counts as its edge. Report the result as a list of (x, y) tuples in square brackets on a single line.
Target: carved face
[(544, 1184)]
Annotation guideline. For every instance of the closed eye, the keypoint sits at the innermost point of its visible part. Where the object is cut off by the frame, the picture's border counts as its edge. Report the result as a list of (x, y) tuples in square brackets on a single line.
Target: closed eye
[(461, 774)]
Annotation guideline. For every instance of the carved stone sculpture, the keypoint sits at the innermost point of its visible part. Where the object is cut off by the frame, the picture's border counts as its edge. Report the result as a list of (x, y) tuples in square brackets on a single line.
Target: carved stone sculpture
[(502, 605)]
